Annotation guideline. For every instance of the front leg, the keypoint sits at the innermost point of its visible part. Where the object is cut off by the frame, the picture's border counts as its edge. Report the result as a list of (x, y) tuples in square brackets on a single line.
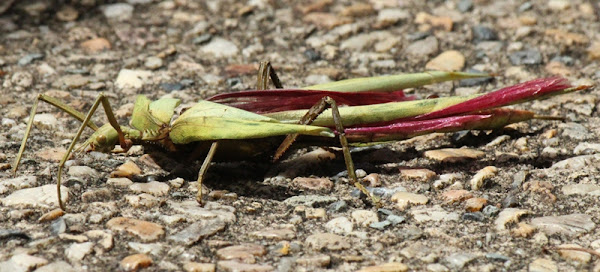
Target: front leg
[(204, 169)]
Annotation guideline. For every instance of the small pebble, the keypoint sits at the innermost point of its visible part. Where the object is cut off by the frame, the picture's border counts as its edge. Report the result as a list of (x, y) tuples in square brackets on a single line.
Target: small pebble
[(380, 225), (119, 11), (29, 58), (154, 188), (340, 225), (329, 241), (497, 257), (570, 224), (425, 47), (395, 267), (67, 13), (395, 219), (452, 196), (42, 197), (126, 170), (559, 5), (153, 63), (22, 79), (275, 234), (543, 265), (236, 266), (314, 261), (316, 184), (96, 45), (144, 230), (453, 155), (364, 217), (450, 60), (475, 204), (198, 230), (460, 260), (51, 215), (510, 201), (338, 206), (508, 215), (523, 230), (220, 48), (388, 17), (58, 226), (404, 199), (199, 267), (482, 175), (246, 253), (132, 78), (423, 175), (135, 262), (77, 251), (119, 182)]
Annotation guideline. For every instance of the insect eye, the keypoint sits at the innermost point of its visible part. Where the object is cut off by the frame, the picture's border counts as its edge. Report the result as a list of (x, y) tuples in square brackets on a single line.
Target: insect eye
[(101, 139)]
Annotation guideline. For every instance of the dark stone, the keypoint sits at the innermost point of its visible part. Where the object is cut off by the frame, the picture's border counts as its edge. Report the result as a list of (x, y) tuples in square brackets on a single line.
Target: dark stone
[(527, 57), (233, 81), (510, 201), (167, 86), (58, 226), (490, 211), (385, 212), (338, 206), (312, 55), (179, 195), (29, 58), (7, 234), (417, 36), (380, 225), (518, 179), (566, 60), (484, 33), (497, 257), (475, 216), (202, 39), (395, 219)]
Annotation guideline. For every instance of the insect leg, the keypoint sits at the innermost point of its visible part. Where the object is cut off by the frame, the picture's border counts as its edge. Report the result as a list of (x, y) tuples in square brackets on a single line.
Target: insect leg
[(204, 169), (346, 150), (52, 101), (113, 121), (266, 71), (308, 118)]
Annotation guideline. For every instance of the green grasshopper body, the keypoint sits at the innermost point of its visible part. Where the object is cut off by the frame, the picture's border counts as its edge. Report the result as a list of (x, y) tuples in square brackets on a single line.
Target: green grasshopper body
[(244, 134)]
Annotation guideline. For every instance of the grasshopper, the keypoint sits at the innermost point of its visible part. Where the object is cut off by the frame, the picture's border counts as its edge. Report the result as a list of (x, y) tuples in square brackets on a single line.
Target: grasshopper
[(213, 123)]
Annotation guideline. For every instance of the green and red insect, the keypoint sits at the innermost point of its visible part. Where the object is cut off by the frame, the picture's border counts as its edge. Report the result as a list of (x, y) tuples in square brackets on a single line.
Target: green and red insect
[(250, 123)]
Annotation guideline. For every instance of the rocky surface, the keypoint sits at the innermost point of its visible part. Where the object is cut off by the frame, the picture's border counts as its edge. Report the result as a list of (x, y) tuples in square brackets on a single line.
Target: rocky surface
[(517, 199)]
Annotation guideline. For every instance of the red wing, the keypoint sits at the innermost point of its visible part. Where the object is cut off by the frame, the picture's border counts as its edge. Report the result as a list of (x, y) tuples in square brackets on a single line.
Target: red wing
[(506, 96), (289, 99)]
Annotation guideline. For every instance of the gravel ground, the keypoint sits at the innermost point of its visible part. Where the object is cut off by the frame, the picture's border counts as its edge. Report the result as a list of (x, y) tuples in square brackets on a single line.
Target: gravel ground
[(505, 200)]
